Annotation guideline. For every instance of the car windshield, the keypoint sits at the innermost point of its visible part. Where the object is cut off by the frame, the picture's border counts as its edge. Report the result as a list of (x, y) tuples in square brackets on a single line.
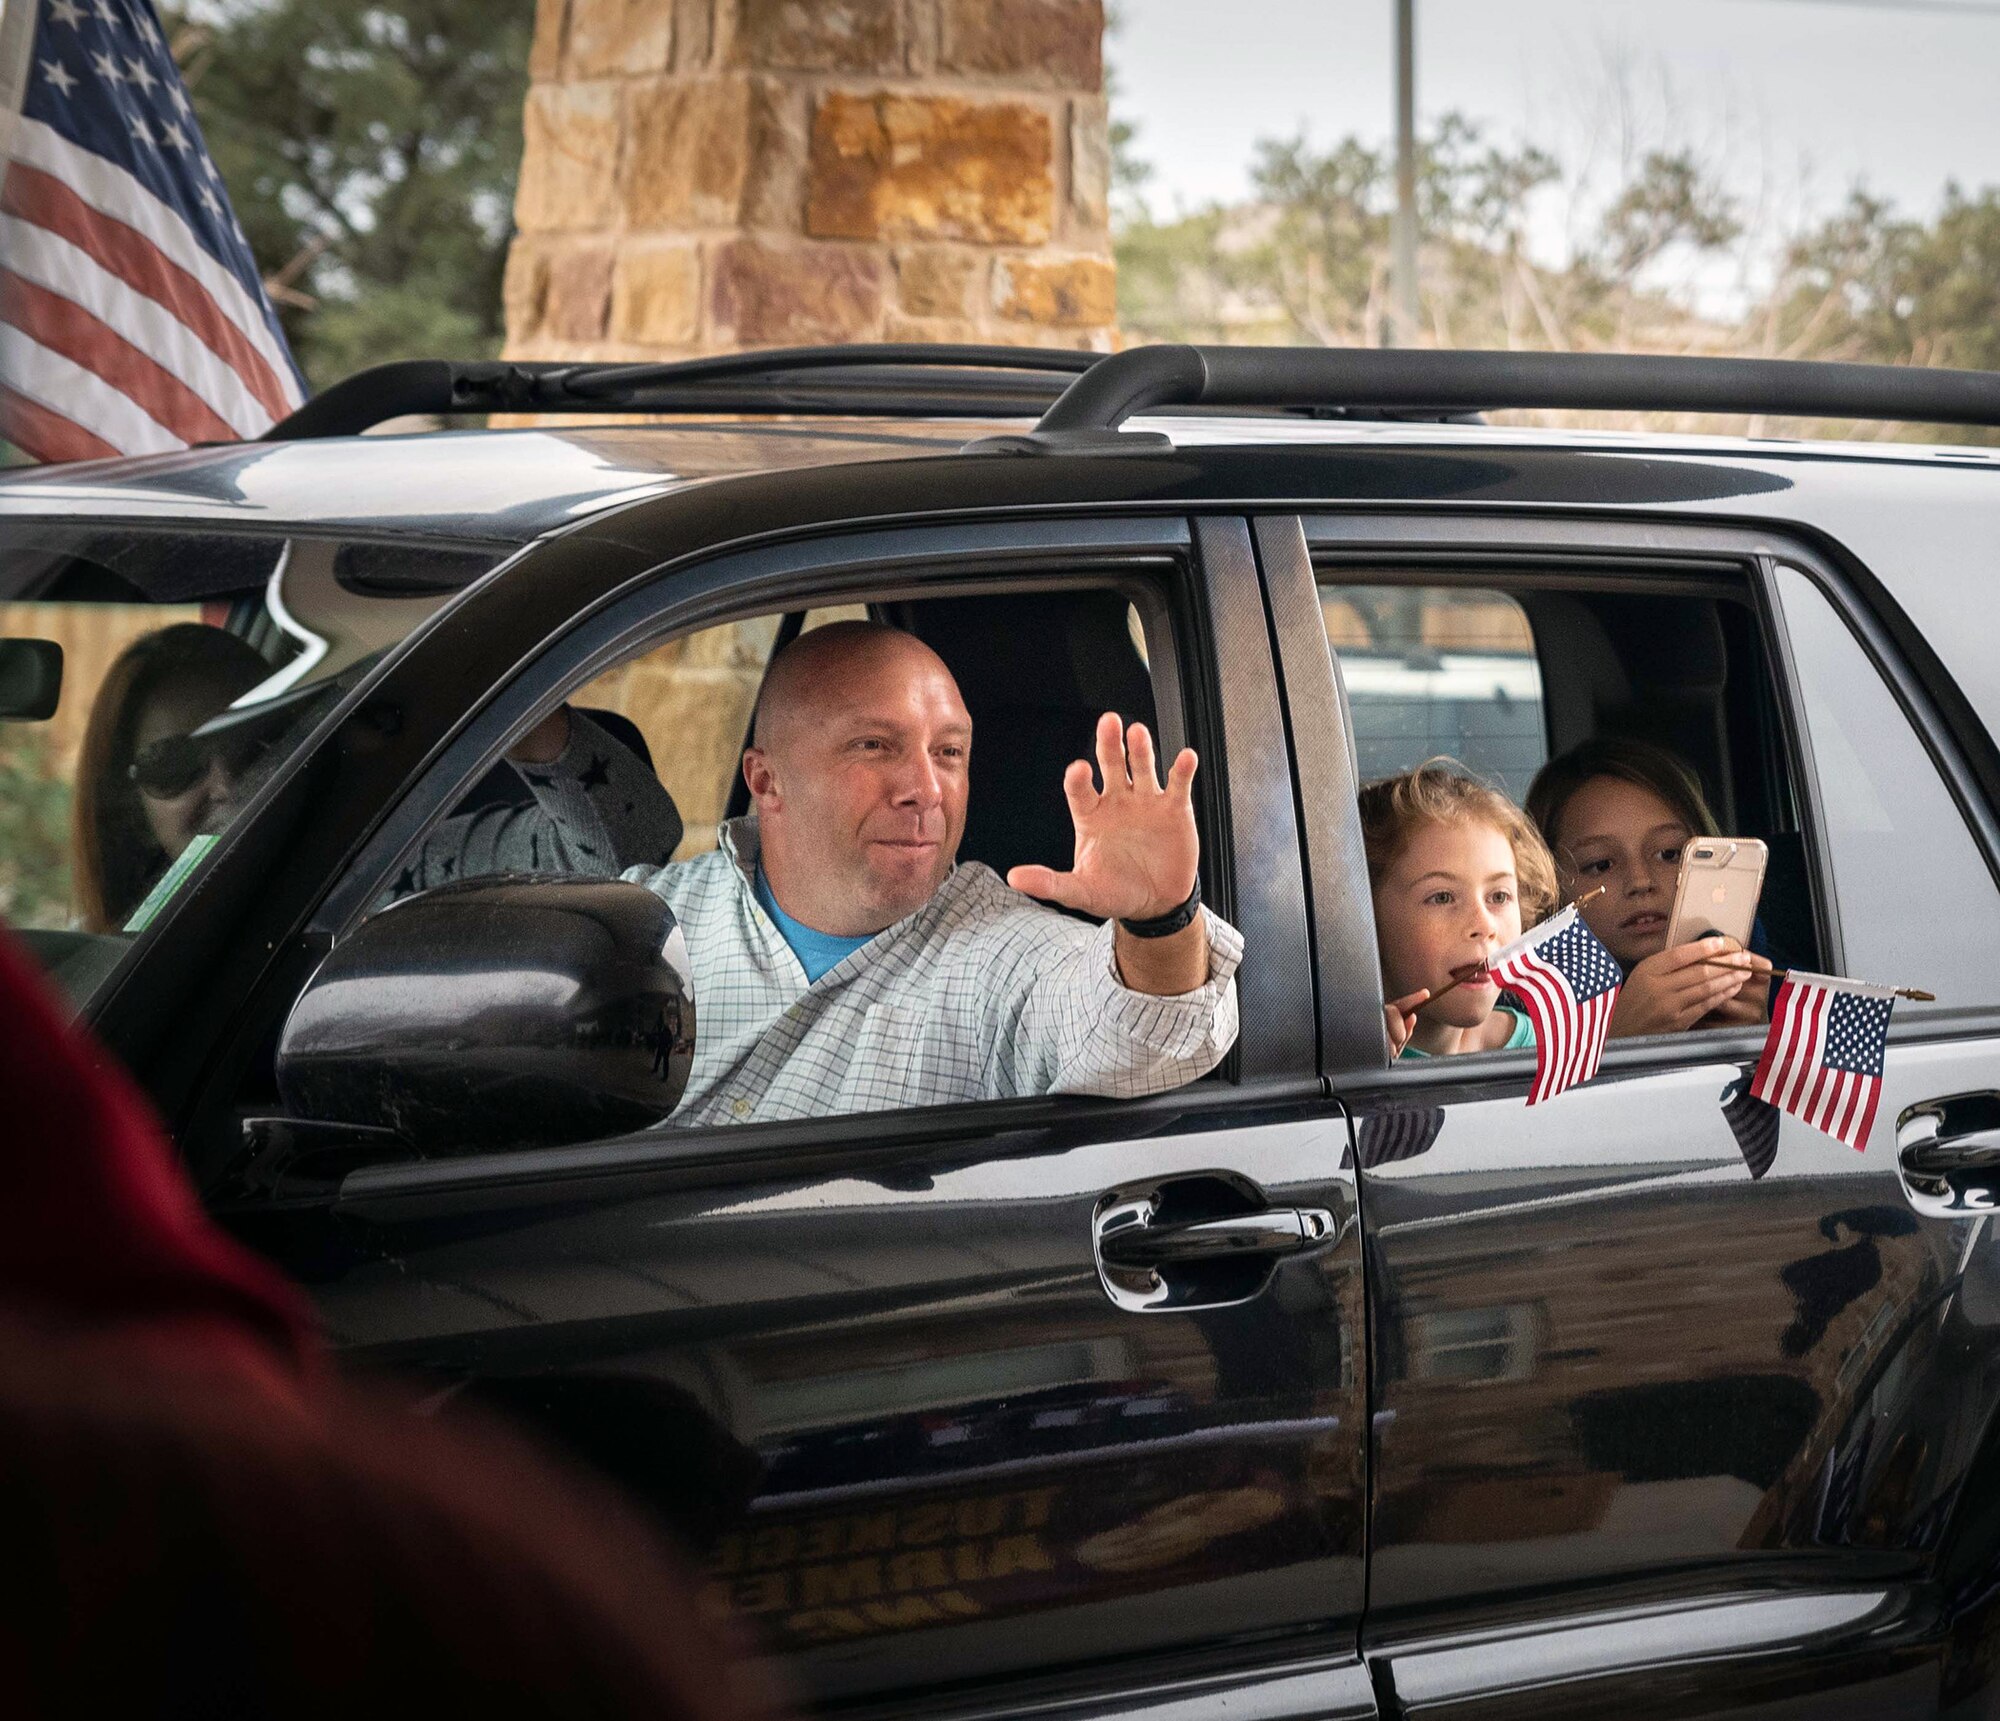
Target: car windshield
[(150, 681)]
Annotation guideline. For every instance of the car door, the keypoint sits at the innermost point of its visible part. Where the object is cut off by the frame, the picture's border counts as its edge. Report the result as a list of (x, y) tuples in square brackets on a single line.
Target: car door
[(1650, 1429), (881, 1369)]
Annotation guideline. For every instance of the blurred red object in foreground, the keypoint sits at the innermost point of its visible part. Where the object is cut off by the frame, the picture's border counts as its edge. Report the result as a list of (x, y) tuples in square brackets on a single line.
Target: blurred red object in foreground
[(177, 1550), (100, 1234), (200, 1521)]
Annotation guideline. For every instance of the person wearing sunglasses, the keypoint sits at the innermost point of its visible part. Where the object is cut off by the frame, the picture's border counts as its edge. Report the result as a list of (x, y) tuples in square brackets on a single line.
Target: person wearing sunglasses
[(145, 785), (149, 783)]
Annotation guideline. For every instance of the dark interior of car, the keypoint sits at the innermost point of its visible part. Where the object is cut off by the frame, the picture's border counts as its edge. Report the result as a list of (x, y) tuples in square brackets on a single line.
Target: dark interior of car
[(1688, 672), (1036, 671), (1685, 669)]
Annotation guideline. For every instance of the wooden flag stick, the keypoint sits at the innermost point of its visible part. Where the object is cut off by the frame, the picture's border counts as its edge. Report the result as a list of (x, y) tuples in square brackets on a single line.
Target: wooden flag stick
[(1915, 993), (1460, 981)]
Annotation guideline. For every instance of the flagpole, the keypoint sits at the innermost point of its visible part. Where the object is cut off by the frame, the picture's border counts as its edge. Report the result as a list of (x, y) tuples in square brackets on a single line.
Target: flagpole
[(1914, 993)]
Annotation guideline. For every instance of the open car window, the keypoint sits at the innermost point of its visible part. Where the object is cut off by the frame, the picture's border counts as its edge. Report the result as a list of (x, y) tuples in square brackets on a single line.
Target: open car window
[(668, 725), (1505, 678)]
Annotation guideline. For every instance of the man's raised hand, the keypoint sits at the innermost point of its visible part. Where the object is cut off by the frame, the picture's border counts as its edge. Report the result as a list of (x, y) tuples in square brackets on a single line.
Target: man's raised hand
[(1136, 846)]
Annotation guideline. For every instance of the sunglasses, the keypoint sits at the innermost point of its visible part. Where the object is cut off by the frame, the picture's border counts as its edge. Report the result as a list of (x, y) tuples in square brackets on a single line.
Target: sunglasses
[(173, 765)]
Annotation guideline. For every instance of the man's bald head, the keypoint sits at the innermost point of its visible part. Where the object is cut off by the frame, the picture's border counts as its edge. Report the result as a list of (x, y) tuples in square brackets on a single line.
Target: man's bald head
[(818, 671), (858, 767)]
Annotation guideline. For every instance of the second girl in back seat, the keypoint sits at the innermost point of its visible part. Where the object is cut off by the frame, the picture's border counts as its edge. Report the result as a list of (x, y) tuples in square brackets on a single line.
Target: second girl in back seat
[(1616, 813)]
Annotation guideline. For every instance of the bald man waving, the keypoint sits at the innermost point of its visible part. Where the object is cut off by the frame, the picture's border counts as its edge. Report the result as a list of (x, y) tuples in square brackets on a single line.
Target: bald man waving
[(844, 962)]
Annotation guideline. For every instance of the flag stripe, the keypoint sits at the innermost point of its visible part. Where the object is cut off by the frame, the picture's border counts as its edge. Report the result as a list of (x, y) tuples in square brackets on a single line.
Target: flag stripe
[(1857, 1135), (1813, 1050), (1600, 1029), (1799, 1059), (1546, 1014), (123, 251), (66, 328), (113, 192), (48, 435), (52, 261), (1840, 1118), (66, 388), (1781, 1059)]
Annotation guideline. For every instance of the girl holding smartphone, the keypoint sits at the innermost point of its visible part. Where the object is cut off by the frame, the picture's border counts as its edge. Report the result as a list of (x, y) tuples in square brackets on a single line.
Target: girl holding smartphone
[(1617, 813)]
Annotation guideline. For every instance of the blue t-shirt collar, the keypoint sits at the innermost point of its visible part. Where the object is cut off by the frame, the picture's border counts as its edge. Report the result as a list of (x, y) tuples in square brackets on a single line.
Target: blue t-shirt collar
[(817, 951)]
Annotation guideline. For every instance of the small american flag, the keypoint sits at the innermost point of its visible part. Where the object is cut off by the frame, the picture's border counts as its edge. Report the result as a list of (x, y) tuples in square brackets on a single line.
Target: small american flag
[(1823, 1057), (132, 316), (1568, 983)]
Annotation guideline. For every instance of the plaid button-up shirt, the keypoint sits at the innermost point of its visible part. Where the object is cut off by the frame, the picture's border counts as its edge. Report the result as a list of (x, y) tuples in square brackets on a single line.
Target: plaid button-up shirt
[(981, 994)]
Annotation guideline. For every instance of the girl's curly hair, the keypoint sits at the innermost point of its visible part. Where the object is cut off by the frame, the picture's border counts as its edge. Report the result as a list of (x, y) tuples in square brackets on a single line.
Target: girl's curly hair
[(1443, 792)]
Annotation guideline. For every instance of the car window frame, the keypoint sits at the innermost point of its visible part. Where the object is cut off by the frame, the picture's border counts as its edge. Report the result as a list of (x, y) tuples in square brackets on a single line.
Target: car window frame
[(1228, 715), (1924, 713), (1916, 696), (1561, 552)]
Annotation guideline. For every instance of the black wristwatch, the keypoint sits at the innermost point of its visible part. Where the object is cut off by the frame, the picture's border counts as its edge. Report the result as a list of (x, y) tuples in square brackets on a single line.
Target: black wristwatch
[(1166, 925)]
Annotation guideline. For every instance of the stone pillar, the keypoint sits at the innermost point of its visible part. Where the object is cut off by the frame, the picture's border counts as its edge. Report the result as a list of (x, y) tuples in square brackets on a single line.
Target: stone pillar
[(706, 175)]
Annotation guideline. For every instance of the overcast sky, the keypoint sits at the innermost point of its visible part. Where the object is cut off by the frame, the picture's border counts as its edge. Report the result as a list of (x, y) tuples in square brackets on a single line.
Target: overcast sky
[(1799, 97)]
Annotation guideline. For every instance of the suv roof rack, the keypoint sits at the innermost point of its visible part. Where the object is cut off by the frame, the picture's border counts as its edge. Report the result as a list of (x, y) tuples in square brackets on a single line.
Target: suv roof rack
[(1368, 382), (901, 380)]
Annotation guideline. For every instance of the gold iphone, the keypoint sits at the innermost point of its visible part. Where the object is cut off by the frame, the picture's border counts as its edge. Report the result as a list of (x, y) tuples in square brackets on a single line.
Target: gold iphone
[(1721, 879)]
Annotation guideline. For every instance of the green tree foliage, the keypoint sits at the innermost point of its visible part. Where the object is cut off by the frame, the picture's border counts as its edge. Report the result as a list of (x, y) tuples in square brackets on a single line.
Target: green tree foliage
[(370, 148), (34, 831), (1308, 258), (1869, 283)]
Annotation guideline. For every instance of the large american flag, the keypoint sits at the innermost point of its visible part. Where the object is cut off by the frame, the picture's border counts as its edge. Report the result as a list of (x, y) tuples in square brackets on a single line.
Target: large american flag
[(132, 317), (1823, 1057), (1568, 983)]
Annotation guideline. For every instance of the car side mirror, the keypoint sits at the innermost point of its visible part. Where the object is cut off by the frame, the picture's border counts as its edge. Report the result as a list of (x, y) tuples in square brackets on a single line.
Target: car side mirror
[(30, 679), (497, 1013)]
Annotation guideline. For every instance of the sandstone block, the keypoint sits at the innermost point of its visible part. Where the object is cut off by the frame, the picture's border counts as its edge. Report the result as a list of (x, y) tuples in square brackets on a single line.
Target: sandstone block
[(569, 157), (936, 280), (694, 33), (545, 52), (774, 191), (579, 291), (1005, 334), (1067, 292), (609, 37), (1051, 44), (765, 294), (930, 167), (819, 35), (656, 293), (955, 330), (1090, 162), (524, 289), (687, 152)]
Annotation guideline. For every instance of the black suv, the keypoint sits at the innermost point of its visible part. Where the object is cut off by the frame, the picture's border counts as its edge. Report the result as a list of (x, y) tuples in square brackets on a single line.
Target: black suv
[(1619, 1400)]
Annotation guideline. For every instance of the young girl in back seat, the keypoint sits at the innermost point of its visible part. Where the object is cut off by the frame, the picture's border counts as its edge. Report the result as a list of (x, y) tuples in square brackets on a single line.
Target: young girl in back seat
[(1457, 871)]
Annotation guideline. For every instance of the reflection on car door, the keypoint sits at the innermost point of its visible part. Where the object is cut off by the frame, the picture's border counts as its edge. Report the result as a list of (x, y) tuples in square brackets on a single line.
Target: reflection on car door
[(892, 1375)]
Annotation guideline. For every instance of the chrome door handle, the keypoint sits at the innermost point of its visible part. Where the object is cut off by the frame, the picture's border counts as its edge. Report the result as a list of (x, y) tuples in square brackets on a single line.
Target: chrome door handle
[(1948, 1151), (1141, 1243), (1159, 1249)]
